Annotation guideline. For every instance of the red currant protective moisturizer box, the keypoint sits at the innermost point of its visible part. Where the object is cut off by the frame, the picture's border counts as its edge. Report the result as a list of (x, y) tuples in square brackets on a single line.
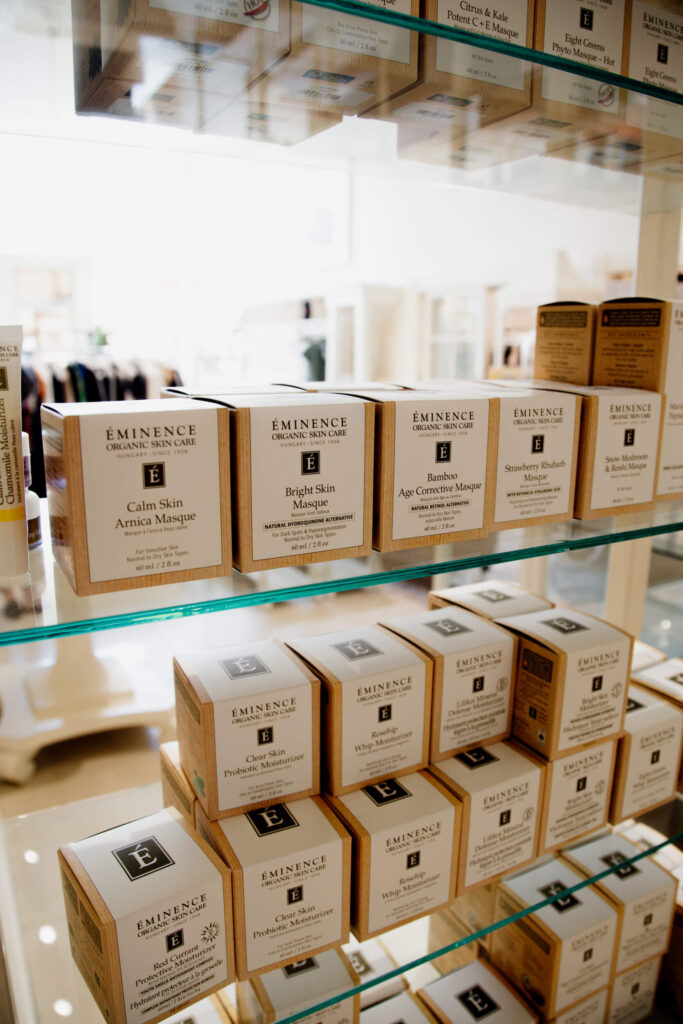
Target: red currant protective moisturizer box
[(291, 867), (377, 699), (472, 993), (138, 492), (248, 726), (149, 910)]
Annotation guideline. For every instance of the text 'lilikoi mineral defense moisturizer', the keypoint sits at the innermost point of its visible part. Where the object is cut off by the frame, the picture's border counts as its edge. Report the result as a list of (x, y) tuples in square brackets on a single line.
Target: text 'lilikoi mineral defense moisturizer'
[(13, 542)]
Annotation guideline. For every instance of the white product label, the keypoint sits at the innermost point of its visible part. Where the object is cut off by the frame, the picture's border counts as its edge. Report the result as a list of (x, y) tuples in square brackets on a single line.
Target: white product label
[(440, 110), (440, 463), (645, 926), (340, 31), (652, 765), (260, 14), (578, 794), (506, 21), (410, 870), (591, 32), (535, 446), (326, 88), (671, 457), (594, 694), (308, 981), (562, 87), (474, 993), (151, 492), (633, 994), (307, 478), (590, 1011), (476, 695), (656, 54), (625, 449)]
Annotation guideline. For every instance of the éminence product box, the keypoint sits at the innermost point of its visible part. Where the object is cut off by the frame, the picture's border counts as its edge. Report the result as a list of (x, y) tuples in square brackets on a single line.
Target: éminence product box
[(475, 992), (577, 794), (501, 791), (176, 788), (248, 726), (492, 599), (377, 701), (632, 993), (571, 680), (405, 848), (565, 338), (404, 1008), (291, 865), (149, 910), (474, 668), (370, 960), (592, 1010), (656, 44), (645, 656), (302, 466), (138, 492), (562, 952)]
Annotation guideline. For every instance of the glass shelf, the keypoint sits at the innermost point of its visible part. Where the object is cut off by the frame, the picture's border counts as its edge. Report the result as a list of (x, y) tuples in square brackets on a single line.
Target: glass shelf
[(48, 607), (37, 947)]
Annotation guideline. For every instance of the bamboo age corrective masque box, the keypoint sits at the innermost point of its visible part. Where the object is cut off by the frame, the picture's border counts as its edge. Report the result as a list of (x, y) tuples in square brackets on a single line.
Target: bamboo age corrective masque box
[(475, 992), (376, 706), (474, 667), (149, 910), (565, 337), (302, 466), (492, 599), (248, 726), (138, 492), (577, 794), (291, 865), (561, 953), (571, 680), (501, 789), (405, 844)]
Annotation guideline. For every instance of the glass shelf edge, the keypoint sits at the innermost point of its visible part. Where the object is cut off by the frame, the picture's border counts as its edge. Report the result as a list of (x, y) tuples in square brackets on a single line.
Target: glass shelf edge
[(423, 26)]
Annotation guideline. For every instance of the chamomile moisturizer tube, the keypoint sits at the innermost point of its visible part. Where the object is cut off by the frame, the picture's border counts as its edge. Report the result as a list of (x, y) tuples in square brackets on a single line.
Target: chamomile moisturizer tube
[(13, 540)]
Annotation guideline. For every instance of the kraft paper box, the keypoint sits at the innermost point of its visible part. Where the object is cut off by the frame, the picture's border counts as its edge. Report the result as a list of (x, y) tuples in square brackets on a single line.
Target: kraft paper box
[(577, 795), (208, 1011), (643, 894), (149, 910), (665, 679), (571, 680), (648, 757), (372, 960), (655, 44), (632, 994), (501, 791), (248, 726), (405, 845), (475, 992), (592, 1010), (565, 338), (474, 669), (377, 702), (444, 929), (138, 492), (236, 389), (460, 87), (639, 344), (401, 1009), (180, 107), (476, 907), (302, 472), (562, 952), (249, 117), (645, 656), (291, 865), (176, 789), (492, 599), (434, 453), (276, 994)]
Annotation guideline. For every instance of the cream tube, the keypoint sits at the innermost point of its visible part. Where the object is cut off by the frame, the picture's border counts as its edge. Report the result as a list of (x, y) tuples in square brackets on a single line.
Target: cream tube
[(13, 540)]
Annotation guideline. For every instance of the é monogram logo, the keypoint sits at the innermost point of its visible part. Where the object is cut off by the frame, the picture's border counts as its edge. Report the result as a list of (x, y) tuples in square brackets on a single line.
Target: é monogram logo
[(143, 858), (355, 649), (153, 474), (269, 820), (310, 463)]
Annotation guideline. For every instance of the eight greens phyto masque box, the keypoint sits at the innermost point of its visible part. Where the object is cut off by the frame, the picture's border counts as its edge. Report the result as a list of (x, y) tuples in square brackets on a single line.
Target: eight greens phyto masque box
[(492, 599), (248, 726), (377, 701), (302, 470), (571, 680), (475, 992), (138, 492), (577, 794), (501, 789), (149, 910), (474, 666), (405, 848), (291, 865)]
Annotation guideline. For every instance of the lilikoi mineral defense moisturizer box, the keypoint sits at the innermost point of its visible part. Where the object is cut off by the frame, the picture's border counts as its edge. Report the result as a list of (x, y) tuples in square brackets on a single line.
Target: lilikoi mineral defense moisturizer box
[(577, 794), (291, 867), (565, 338), (649, 755), (149, 910), (248, 726), (377, 701), (571, 680), (138, 492), (562, 952), (474, 668), (492, 599), (472, 993), (501, 792), (405, 844), (643, 894), (302, 477)]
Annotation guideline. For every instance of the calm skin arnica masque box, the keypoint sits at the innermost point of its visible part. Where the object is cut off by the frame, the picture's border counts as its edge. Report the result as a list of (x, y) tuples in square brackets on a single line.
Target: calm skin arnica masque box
[(377, 702), (291, 867), (248, 726), (405, 847), (138, 492), (474, 666), (492, 599), (149, 910)]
